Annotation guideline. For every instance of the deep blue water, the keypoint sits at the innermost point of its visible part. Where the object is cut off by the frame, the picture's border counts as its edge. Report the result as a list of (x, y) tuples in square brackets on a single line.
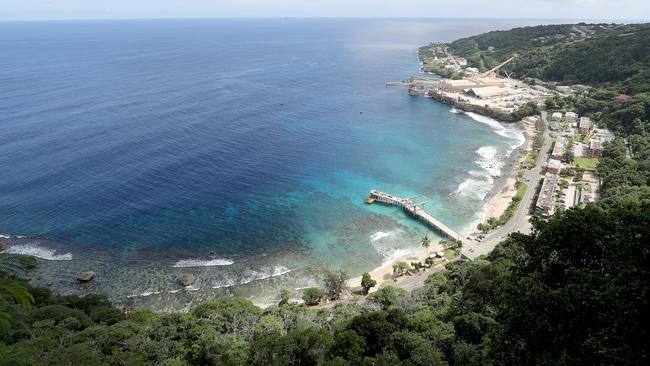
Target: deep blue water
[(245, 140)]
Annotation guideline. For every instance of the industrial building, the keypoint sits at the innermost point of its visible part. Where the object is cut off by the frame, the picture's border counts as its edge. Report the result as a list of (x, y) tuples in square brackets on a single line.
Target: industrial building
[(487, 92), (469, 83)]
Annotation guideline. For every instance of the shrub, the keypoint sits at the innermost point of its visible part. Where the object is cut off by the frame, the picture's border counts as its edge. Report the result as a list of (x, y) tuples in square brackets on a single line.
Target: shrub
[(367, 282), (313, 296), (387, 296)]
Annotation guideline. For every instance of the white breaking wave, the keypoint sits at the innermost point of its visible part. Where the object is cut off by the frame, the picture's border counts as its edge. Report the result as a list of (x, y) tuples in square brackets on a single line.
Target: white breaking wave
[(454, 111), (255, 276), (480, 182), (38, 252), (193, 287), (392, 254), (7, 236), (478, 188), (379, 235), (144, 294), (276, 271), (501, 130), (222, 285), (490, 161), (203, 263)]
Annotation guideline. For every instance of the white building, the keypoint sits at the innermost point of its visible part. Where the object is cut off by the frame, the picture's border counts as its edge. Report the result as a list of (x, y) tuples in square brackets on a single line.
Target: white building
[(559, 148), (604, 135), (471, 71), (553, 166), (571, 117), (557, 116), (585, 125)]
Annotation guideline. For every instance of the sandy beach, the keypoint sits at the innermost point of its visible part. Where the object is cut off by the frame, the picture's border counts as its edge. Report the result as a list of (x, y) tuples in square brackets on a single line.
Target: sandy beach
[(384, 274), (500, 201)]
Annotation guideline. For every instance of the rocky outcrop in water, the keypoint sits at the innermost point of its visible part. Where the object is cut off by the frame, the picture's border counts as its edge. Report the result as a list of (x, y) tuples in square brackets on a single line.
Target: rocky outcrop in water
[(86, 276), (4, 244), (186, 279)]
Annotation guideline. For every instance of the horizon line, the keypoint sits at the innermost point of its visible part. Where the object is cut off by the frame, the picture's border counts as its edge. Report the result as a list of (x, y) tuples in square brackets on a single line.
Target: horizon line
[(596, 20)]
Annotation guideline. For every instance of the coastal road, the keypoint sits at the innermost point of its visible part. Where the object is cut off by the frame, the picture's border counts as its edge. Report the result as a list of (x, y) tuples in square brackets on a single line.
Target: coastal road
[(520, 222)]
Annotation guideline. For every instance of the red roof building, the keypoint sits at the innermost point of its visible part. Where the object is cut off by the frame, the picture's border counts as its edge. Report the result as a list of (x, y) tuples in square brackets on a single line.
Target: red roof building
[(623, 98)]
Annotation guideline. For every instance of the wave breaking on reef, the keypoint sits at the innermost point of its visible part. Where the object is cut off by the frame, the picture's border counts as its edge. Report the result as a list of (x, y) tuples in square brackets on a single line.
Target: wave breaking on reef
[(186, 263), (38, 252)]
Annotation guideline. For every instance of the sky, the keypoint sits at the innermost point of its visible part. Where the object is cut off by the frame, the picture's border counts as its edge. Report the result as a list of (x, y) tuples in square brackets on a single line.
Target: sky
[(614, 10)]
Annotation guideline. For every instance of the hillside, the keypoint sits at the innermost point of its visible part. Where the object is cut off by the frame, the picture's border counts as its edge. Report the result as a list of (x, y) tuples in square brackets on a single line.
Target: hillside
[(597, 55)]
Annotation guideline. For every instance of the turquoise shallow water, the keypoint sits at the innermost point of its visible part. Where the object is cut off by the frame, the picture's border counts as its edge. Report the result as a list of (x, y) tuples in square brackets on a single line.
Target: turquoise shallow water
[(239, 150)]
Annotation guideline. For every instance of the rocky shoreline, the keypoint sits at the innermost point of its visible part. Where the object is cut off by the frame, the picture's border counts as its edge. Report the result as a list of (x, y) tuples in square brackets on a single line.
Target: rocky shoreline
[(498, 115)]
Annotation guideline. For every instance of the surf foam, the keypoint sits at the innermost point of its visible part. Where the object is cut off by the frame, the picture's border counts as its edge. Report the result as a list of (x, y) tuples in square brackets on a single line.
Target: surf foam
[(379, 235), (38, 252), (202, 263), (480, 181), (501, 130), (255, 276)]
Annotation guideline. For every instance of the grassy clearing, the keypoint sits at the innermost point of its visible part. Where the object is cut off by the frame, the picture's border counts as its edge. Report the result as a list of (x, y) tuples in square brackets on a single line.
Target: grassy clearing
[(586, 163), (450, 254)]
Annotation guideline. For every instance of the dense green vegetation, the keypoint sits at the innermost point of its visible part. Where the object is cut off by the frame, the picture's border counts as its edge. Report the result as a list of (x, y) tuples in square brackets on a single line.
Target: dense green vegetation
[(611, 54), (572, 292)]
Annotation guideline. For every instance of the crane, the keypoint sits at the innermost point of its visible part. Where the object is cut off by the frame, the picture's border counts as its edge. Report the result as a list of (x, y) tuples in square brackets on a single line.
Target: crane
[(495, 70)]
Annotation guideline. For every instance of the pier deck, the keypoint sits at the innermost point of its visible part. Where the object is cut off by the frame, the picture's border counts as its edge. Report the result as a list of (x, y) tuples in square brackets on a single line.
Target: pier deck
[(417, 211)]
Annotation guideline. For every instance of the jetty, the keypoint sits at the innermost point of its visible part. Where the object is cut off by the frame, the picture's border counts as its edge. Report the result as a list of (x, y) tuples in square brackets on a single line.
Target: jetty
[(415, 209)]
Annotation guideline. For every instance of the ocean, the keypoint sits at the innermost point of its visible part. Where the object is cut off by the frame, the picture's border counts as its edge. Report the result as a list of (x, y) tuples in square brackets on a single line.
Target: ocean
[(237, 150)]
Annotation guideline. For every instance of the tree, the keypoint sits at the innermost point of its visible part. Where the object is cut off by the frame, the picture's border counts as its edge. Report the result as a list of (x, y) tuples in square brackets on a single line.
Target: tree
[(484, 228), (348, 345), (285, 297), (429, 261), (568, 156), (565, 300), (313, 295), (387, 296), (16, 292), (400, 268), (335, 284), (367, 282), (426, 243)]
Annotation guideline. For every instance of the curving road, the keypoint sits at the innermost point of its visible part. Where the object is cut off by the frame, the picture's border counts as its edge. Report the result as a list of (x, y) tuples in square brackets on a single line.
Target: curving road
[(520, 222)]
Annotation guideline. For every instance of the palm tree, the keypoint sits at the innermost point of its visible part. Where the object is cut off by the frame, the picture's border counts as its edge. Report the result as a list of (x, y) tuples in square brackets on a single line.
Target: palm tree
[(426, 243)]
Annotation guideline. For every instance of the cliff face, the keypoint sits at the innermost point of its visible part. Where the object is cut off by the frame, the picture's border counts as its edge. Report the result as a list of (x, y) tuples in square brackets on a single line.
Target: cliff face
[(499, 115)]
